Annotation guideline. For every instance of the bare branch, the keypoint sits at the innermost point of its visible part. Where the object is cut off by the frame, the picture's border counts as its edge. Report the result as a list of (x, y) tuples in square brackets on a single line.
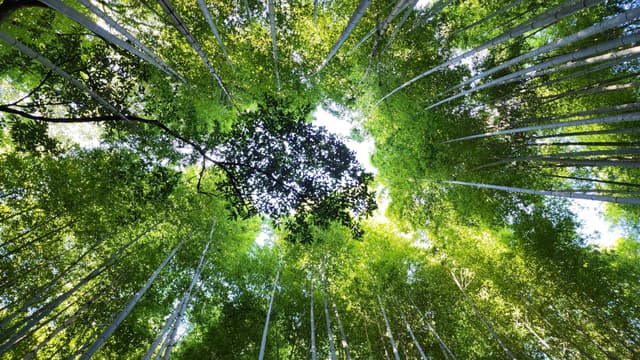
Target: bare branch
[(34, 90), (200, 176)]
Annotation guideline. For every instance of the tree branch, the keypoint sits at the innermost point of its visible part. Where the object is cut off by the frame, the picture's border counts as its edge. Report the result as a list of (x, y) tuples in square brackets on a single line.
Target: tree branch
[(115, 118), (198, 187), (34, 90), (106, 118), (233, 181), (31, 106)]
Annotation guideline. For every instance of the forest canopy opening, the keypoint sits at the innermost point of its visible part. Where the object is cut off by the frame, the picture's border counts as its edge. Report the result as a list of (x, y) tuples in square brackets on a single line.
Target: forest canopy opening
[(211, 216)]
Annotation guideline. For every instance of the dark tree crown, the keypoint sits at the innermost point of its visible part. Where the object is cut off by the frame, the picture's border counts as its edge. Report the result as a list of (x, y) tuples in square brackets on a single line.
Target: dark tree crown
[(280, 165)]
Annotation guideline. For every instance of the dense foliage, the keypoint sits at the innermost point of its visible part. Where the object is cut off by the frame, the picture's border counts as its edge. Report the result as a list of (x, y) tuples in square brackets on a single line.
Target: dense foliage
[(212, 218), (278, 163)]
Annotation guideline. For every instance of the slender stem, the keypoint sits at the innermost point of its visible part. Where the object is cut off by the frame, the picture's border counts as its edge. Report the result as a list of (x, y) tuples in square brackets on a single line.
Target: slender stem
[(265, 330), (332, 346), (389, 332)]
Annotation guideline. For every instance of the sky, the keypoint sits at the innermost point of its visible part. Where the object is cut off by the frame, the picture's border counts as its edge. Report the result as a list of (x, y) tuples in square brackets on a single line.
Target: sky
[(594, 227), (423, 3), (86, 135), (342, 128)]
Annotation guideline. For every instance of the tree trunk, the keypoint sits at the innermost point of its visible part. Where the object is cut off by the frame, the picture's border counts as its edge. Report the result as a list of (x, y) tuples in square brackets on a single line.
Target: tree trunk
[(628, 55), (70, 320), (443, 346), (315, 13), (534, 71), (365, 38), (485, 322), (35, 267), (171, 340), (382, 28), (613, 119), (590, 132), (507, 22), (166, 342), (549, 17), (593, 180), (560, 156), (610, 332), (265, 331), (618, 57), (632, 54), (40, 292), (487, 18), (580, 35), (332, 346), (162, 335), (594, 90), (386, 322), (274, 45), (55, 231), (30, 229), (60, 328), (382, 341), (248, 9), (74, 15), (39, 324), (585, 143), (19, 213), (362, 7), (170, 11), (369, 34), (314, 355), (132, 303), (633, 164), (92, 336), (613, 199), (588, 337), (604, 191), (185, 298), (413, 337), (609, 59), (540, 340), (604, 110), (445, 349), (207, 15), (37, 315), (155, 59), (396, 30), (345, 344), (563, 335)]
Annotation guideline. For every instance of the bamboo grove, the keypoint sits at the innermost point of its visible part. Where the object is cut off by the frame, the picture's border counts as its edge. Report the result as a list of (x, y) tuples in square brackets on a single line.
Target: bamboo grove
[(208, 217)]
